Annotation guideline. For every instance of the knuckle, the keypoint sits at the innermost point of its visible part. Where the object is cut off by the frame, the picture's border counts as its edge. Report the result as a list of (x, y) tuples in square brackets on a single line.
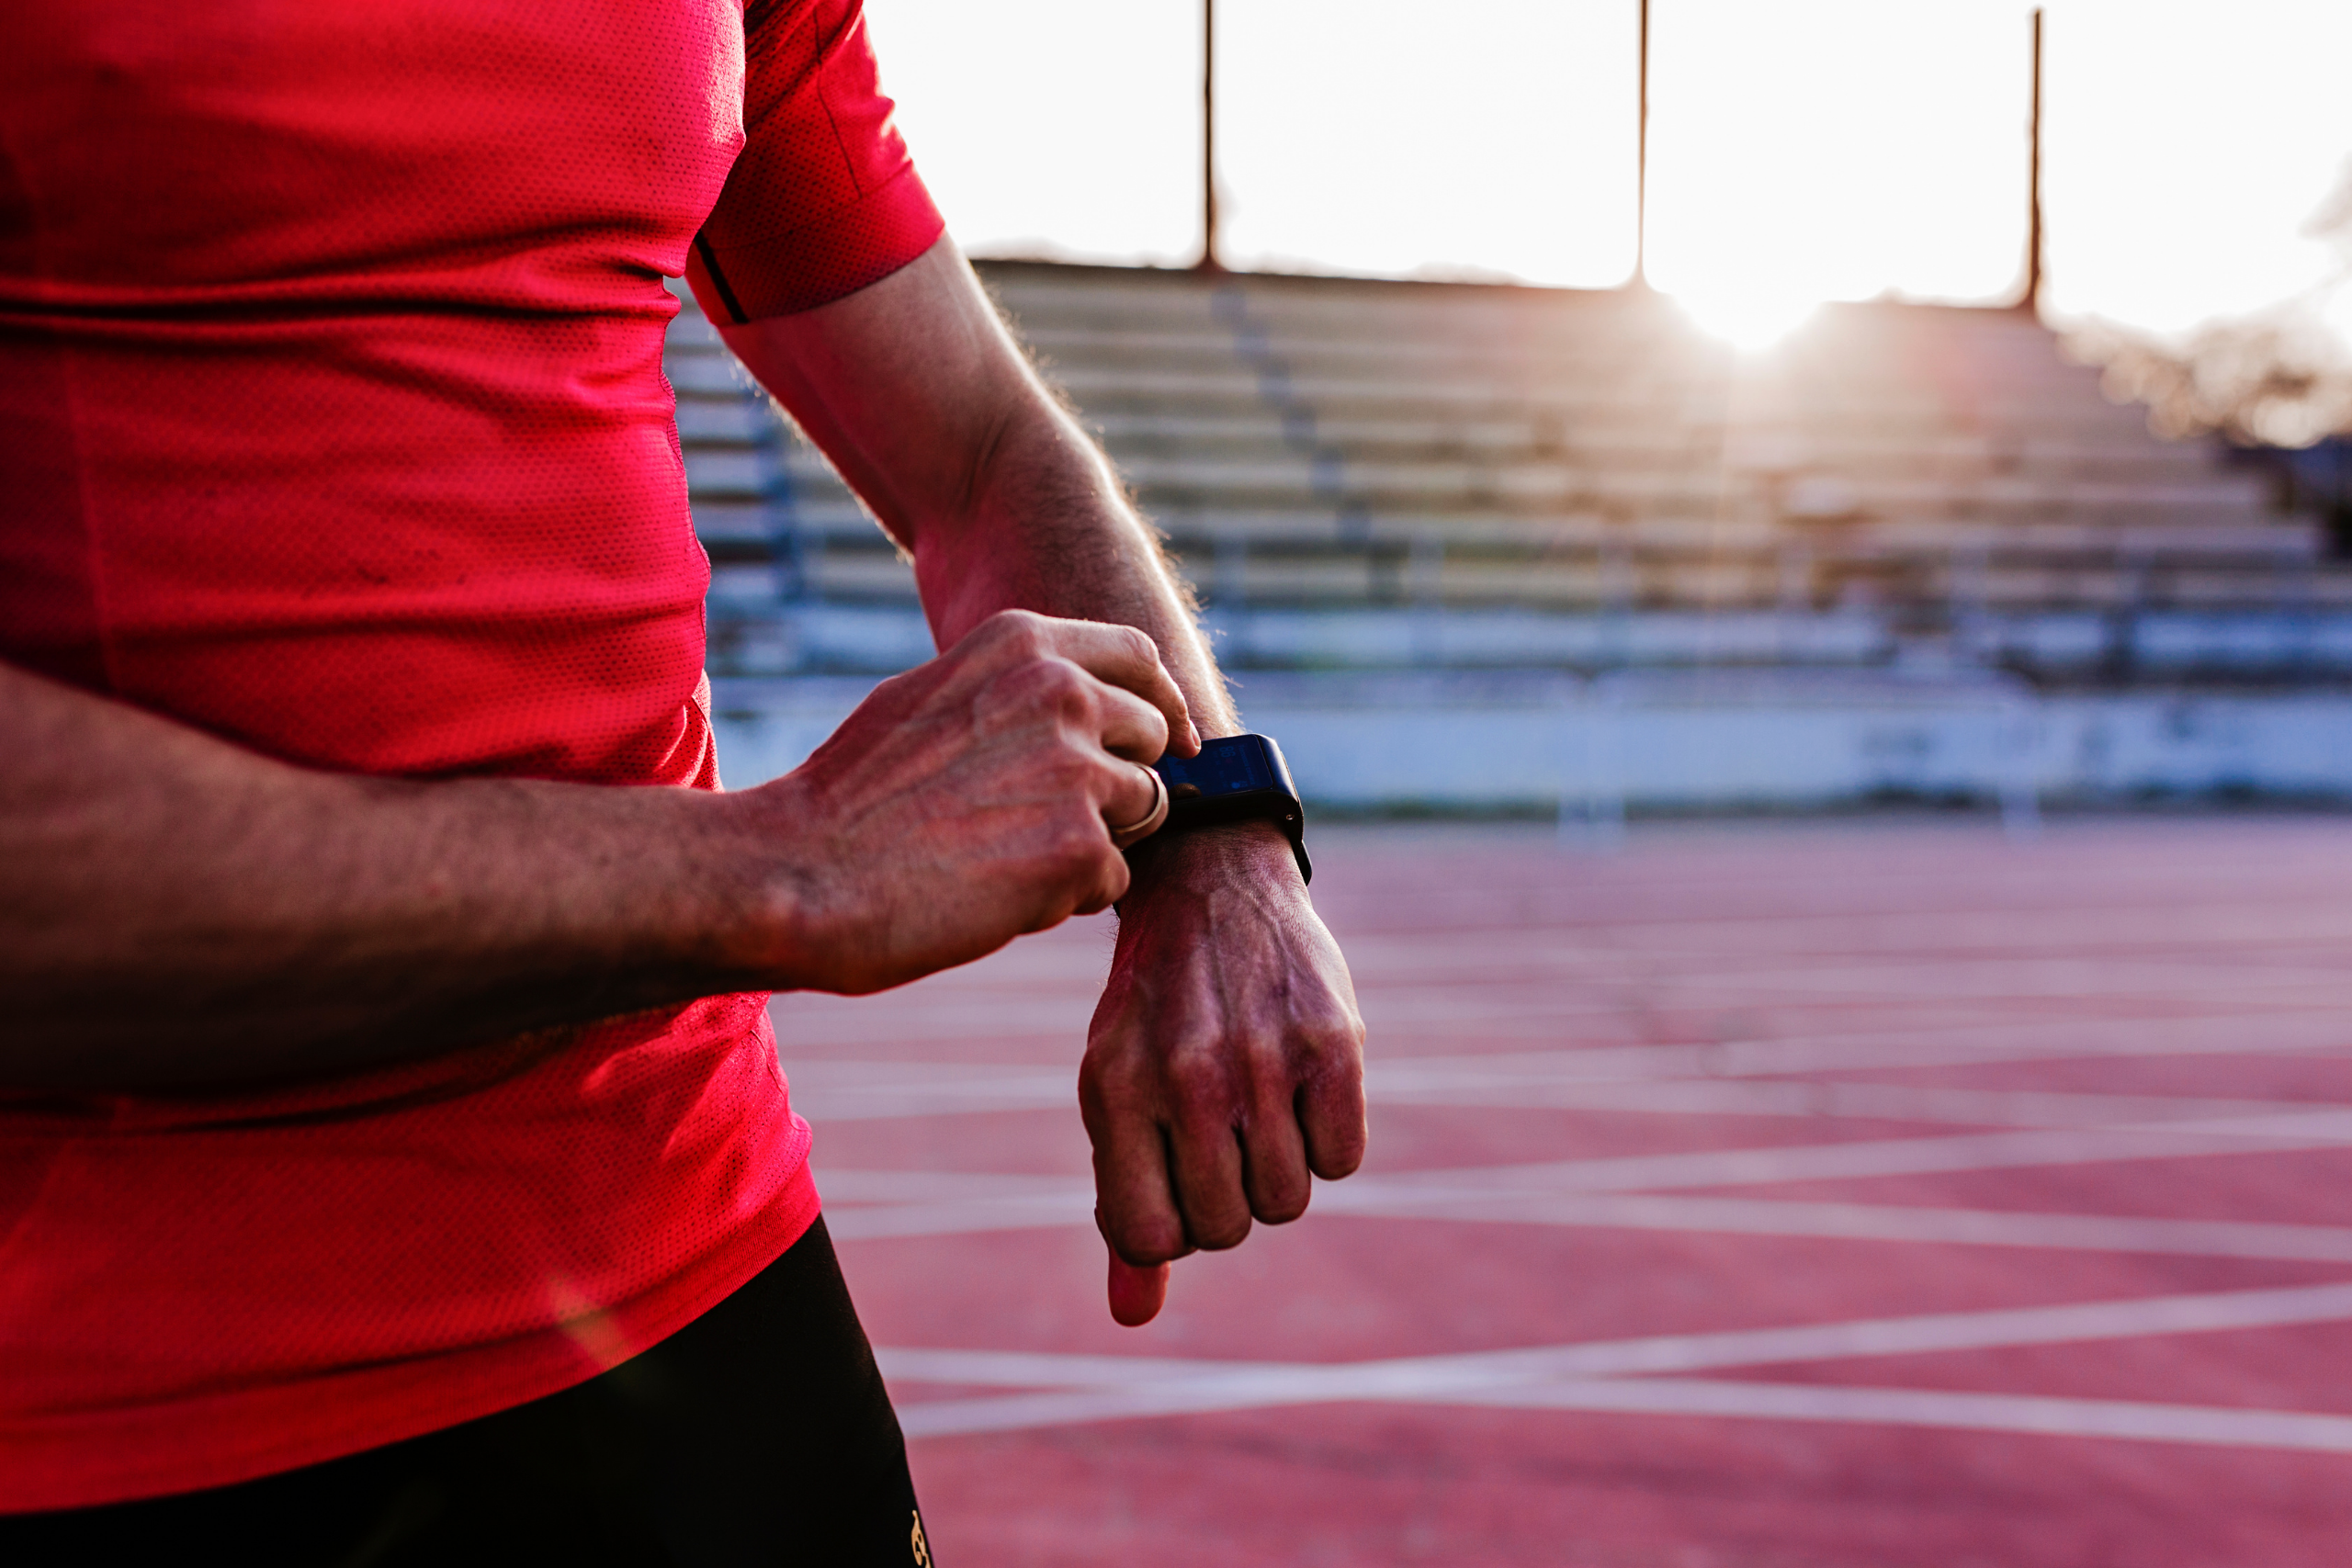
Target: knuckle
[(1014, 623), (1077, 854), (1076, 844), (1041, 692), (1112, 1077), (1197, 1079), (1022, 632), (1336, 1090), (1146, 1239), (1056, 683), (1336, 1151), (1222, 1233), (1139, 645), (1335, 1046), (1284, 1201), (1069, 764), (1276, 1065)]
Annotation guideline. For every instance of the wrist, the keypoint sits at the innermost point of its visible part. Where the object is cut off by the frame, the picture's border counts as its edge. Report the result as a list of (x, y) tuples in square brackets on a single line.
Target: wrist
[(1232, 779), (1255, 853), (757, 919)]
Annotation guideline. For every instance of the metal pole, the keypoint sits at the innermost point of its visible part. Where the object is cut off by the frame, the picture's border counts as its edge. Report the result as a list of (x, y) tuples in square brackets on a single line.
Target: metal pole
[(1210, 261), (1642, 162), (2032, 300)]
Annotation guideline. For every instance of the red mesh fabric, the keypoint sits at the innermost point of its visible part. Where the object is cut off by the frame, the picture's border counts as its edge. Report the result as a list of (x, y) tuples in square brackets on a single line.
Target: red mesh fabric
[(199, 1294), (332, 422)]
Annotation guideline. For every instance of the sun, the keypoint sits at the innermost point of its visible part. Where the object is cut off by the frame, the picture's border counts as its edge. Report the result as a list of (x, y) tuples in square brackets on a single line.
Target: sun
[(1752, 317)]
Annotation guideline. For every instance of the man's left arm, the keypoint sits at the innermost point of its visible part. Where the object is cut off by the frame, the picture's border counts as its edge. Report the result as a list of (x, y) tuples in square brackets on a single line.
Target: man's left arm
[(1224, 1062)]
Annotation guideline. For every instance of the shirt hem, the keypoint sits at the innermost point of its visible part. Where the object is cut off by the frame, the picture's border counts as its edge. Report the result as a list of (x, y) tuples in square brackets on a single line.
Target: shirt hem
[(222, 1440)]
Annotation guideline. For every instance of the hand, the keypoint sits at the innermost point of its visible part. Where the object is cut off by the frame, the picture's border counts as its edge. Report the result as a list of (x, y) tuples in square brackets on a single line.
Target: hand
[(1226, 1059), (969, 801)]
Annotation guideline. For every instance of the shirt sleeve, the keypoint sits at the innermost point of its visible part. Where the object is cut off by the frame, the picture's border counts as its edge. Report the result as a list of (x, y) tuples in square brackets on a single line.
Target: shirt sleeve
[(823, 199)]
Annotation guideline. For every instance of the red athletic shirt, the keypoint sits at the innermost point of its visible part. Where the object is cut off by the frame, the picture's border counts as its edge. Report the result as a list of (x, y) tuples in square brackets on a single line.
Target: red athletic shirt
[(332, 423)]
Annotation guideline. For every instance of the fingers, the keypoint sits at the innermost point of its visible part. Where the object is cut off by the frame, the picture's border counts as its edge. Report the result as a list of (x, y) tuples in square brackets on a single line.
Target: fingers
[(1121, 657), (1243, 1157), (1193, 1145), (1188, 1166), (1328, 1108), (1099, 877), (1125, 658), (1137, 1292), (1133, 827), (1126, 726), (1274, 1165), (1135, 1208), (1205, 1162)]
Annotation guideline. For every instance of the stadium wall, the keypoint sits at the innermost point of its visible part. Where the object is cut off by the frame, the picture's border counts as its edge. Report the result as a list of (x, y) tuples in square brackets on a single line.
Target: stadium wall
[(1709, 741)]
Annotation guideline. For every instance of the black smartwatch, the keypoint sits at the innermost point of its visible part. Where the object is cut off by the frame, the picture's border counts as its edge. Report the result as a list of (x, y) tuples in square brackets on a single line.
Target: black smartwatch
[(1237, 778)]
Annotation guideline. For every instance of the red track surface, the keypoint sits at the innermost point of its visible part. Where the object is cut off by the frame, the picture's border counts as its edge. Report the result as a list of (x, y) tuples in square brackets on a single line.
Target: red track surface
[(1796, 1078)]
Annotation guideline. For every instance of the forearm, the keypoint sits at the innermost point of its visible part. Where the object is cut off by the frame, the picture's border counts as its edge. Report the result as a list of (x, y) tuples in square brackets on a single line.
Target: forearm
[(1224, 1065), (177, 910), (1049, 530), (917, 393)]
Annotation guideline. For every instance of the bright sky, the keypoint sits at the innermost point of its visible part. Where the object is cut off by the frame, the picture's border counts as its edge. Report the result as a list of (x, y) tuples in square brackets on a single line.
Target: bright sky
[(1800, 150)]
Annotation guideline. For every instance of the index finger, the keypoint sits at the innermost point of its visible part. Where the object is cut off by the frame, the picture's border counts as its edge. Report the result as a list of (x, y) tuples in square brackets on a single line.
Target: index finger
[(1125, 657)]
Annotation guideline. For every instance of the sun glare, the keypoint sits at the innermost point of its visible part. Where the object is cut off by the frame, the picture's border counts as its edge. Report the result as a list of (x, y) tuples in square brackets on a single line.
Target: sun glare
[(1800, 151), (1750, 319)]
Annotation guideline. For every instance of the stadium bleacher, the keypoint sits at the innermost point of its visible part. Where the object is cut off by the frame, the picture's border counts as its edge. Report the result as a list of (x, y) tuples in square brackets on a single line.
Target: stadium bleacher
[(1364, 474)]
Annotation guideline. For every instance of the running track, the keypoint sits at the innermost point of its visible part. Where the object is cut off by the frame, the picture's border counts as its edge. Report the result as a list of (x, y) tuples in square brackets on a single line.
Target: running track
[(1754, 1196)]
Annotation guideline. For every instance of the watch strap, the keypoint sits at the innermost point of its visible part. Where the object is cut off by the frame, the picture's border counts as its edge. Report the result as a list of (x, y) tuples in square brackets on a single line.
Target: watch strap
[(1237, 778)]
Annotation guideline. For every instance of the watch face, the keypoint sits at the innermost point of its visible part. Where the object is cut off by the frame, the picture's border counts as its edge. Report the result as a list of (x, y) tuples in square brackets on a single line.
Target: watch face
[(1229, 765), (1236, 778)]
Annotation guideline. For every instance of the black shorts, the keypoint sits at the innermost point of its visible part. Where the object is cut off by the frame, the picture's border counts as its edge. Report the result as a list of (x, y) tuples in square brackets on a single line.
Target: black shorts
[(760, 1433)]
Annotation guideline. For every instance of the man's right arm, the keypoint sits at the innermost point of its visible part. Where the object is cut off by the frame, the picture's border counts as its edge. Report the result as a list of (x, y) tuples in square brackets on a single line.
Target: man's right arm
[(177, 912)]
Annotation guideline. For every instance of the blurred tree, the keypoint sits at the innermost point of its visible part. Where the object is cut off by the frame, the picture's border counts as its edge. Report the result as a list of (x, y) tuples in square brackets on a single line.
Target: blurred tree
[(2280, 376)]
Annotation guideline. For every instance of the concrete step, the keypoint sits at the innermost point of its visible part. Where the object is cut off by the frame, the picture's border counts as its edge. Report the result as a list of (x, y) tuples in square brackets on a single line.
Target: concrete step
[(1327, 441), (1542, 434)]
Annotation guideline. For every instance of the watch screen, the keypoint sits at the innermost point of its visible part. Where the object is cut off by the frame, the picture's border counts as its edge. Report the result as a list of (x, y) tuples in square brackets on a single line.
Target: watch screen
[(1226, 766)]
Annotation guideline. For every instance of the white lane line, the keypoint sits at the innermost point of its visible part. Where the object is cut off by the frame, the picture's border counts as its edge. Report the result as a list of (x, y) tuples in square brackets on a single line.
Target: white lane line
[(862, 1186), (1770, 978), (1047, 1369), (1988, 1328), (2130, 928), (864, 1205), (2023, 1414), (850, 1092), (1259, 1389), (986, 1017), (1829, 1162), (1083, 1389), (1404, 1011), (1404, 1192), (847, 1091), (858, 1089), (1875, 1222), (1874, 1101), (885, 1221), (867, 1090), (867, 1204), (1558, 1022), (2299, 1031)]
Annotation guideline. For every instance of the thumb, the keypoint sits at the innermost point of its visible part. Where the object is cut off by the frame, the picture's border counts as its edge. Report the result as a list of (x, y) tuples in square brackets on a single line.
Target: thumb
[(1136, 1294)]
